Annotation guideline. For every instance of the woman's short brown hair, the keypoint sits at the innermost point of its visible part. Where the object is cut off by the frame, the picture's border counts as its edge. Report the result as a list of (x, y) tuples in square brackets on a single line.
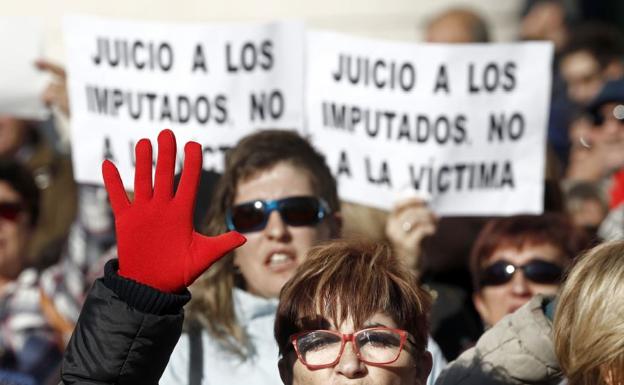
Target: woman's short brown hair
[(525, 230), (351, 278), (589, 321)]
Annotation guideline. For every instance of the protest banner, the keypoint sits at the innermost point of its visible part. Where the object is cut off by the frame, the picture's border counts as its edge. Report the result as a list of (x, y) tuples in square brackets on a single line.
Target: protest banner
[(212, 83), (462, 124), (21, 83)]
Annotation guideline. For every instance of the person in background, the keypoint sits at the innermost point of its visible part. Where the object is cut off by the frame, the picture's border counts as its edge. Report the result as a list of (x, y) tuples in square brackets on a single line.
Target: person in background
[(515, 258), (457, 25), (30, 344), (593, 55), (354, 313), (278, 191), (574, 338), (589, 319), (545, 20), (599, 157), (587, 206), (21, 139)]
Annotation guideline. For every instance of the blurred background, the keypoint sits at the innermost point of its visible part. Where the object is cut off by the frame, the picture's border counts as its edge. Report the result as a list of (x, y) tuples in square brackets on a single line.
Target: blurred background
[(395, 19)]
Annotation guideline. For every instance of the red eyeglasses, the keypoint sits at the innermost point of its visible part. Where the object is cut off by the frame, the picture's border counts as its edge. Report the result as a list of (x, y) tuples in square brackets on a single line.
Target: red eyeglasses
[(319, 349), (10, 210)]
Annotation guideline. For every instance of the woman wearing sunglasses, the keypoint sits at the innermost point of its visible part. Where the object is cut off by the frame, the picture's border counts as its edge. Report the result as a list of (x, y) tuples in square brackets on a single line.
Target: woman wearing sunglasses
[(517, 257), (278, 192)]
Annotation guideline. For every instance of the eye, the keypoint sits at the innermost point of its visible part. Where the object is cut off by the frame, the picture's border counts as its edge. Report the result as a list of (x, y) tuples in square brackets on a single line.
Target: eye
[(316, 341), (379, 338)]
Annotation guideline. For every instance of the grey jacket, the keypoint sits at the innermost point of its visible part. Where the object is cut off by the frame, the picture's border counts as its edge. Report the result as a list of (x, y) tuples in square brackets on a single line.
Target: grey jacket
[(517, 350)]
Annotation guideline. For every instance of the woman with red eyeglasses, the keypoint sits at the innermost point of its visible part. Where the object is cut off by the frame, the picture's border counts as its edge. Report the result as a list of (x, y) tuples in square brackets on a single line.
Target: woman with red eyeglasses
[(517, 257), (277, 191)]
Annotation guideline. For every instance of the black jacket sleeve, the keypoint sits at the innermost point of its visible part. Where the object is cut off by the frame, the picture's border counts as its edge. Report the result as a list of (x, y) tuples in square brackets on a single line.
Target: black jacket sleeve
[(125, 333)]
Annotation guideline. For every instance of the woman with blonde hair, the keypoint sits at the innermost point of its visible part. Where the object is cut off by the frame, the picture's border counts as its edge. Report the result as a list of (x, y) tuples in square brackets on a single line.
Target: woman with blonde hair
[(589, 321)]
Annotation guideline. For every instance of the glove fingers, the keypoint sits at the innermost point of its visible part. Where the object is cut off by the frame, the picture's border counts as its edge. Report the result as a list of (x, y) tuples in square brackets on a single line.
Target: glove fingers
[(143, 171), (187, 189), (163, 184), (208, 250), (114, 186)]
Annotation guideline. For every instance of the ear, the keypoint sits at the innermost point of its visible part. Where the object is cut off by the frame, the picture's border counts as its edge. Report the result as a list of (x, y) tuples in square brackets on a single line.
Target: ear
[(481, 307), (336, 225), (285, 370)]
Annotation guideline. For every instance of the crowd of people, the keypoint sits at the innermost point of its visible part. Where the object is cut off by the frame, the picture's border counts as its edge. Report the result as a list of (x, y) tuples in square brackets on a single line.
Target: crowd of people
[(261, 275)]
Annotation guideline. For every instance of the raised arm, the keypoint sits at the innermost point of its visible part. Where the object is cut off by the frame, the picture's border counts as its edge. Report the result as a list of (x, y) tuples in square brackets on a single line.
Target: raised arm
[(133, 317)]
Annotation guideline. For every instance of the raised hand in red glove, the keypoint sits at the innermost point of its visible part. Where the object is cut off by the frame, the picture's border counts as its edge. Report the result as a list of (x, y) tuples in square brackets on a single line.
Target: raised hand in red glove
[(156, 242)]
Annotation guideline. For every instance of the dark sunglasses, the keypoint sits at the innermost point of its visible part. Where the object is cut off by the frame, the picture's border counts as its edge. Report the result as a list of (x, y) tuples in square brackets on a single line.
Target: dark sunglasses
[(10, 211), (617, 114), (536, 271), (295, 211)]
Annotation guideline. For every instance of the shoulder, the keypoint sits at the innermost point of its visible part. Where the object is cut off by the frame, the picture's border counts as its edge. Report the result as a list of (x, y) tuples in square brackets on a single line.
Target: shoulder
[(516, 350)]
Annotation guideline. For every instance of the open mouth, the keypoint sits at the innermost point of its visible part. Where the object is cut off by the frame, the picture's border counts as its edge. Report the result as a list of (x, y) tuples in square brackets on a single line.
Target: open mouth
[(280, 261)]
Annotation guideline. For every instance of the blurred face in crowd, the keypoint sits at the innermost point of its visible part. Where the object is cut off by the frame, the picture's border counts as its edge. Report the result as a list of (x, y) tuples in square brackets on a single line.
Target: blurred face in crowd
[(448, 30), (510, 288), (12, 134), (545, 21), (587, 214), (270, 256), (607, 135), (349, 369), (455, 26), (583, 76), (14, 232)]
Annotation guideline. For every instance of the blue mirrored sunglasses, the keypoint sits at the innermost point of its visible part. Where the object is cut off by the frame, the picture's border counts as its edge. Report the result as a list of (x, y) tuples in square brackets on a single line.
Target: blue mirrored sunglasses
[(294, 211)]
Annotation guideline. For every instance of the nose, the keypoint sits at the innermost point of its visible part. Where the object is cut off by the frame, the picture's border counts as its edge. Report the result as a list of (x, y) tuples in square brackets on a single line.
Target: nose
[(520, 285), (350, 365), (612, 126), (275, 228)]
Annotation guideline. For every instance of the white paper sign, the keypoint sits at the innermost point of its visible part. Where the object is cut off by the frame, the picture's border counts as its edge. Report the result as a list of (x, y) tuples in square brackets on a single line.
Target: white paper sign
[(464, 124), (21, 83), (212, 83)]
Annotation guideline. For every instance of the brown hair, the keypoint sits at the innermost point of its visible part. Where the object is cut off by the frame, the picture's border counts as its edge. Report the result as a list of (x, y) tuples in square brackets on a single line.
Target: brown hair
[(589, 320), (212, 304), (522, 230), (354, 279)]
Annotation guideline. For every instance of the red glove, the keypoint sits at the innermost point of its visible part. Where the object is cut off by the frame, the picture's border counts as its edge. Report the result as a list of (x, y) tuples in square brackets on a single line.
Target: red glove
[(156, 242)]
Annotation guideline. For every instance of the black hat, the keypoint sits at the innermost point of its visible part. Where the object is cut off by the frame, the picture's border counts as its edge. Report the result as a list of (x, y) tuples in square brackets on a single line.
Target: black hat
[(612, 91)]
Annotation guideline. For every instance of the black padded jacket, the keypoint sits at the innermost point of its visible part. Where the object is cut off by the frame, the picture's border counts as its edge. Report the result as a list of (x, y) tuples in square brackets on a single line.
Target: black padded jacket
[(125, 333)]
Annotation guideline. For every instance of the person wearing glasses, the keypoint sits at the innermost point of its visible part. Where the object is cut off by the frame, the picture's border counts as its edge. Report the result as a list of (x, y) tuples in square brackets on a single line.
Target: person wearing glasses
[(354, 313), (515, 258), (277, 191), (30, 346), (598, 150)]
